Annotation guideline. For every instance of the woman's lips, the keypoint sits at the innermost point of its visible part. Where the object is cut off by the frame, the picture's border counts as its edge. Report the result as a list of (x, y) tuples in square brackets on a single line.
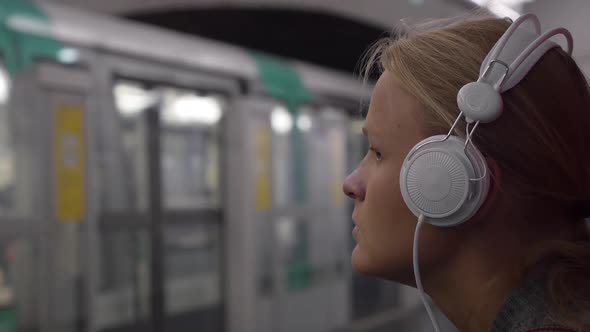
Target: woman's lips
[(355, 231)]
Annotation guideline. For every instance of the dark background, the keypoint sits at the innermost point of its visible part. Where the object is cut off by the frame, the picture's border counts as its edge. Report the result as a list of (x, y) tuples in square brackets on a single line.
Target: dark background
[(320, 38)]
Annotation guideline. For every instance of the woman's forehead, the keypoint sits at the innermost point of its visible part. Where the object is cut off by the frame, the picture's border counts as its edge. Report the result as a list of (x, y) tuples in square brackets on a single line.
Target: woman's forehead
[(391, 107)]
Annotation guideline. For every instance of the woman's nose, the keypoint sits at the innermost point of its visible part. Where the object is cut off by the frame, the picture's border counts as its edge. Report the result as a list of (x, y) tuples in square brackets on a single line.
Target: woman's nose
[(353, 187)]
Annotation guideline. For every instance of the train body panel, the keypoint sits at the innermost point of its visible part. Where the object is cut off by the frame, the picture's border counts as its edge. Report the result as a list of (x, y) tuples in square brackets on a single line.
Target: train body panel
[(143, 41)]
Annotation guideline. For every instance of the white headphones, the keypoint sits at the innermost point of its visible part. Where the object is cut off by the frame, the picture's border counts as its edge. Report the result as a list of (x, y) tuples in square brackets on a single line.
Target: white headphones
[(444, 179)]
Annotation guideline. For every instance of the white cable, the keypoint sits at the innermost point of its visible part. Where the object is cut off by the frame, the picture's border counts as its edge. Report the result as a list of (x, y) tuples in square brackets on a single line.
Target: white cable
[(417, 274)]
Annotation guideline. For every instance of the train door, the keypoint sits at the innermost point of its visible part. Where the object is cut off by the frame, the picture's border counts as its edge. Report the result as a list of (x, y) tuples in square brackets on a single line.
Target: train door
[(20, 254), (161, 201), (287, 241), (54, 113), (312, 226)]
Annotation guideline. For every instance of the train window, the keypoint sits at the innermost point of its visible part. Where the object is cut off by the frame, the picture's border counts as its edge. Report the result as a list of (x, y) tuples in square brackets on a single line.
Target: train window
[(281, 124), (7, 169), (189, 144), (129, 190), (190, 149), (132, 98), (289, 153)]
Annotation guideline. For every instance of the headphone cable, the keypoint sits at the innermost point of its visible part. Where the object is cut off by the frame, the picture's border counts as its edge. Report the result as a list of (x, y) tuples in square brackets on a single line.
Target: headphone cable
[(417, 274)]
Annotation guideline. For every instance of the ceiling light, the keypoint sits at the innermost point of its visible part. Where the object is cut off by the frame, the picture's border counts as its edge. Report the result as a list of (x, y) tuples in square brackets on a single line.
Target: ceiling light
[(281, 120), (193, 109), (131, 99), (304, 122), (4, 86), (68, 55)]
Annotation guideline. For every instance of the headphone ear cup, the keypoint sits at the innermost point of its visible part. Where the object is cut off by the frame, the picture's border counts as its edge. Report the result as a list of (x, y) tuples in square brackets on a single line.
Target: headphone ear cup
[(437, 180)]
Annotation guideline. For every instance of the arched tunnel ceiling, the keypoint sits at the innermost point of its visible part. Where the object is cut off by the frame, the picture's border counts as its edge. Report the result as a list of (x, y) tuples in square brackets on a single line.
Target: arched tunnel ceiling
[(318, 38), (332, 33), (376, 12)]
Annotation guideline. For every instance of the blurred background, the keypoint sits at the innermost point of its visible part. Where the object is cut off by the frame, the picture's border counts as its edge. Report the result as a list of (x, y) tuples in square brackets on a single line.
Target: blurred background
[(176, 165)]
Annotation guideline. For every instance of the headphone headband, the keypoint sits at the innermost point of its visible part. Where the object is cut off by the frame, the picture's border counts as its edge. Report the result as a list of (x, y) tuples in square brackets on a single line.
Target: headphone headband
[(520, 48), (507, 63)]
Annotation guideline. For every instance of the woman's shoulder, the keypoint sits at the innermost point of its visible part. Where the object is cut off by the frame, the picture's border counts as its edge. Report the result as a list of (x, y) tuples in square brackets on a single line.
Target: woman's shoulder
[(552, 328), (526, 309)]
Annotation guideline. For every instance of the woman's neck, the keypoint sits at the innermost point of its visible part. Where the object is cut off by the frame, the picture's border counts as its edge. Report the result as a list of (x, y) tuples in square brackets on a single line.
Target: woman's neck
[(472, 290), (476, 282)]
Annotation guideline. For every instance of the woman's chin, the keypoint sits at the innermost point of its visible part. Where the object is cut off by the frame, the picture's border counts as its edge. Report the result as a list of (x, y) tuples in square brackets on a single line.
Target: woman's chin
[(361, 262)]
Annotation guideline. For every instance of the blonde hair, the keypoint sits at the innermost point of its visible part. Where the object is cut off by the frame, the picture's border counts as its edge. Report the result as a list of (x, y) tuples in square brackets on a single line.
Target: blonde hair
[(539, 142)]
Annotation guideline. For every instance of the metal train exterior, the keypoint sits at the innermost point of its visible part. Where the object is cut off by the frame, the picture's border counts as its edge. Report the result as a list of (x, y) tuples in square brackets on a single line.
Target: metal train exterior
[(107, 127)]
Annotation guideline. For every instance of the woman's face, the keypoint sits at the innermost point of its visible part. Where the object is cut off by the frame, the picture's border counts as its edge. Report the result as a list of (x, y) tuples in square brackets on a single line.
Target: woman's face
[(384, 229)]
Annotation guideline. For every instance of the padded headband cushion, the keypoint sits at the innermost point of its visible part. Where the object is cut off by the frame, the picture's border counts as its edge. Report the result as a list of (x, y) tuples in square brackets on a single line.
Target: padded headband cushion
[(515, 45)]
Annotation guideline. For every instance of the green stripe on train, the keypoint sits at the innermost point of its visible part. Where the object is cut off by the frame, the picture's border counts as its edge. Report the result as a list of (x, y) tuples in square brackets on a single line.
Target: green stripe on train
[(282, 81), (20, 49)]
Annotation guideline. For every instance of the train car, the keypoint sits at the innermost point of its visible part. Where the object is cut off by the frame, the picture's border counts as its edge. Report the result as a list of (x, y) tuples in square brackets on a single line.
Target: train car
[(143, 170)]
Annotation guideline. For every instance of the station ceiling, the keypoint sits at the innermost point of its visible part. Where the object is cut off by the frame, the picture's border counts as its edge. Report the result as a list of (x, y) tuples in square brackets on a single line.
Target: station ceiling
[(332, 33)]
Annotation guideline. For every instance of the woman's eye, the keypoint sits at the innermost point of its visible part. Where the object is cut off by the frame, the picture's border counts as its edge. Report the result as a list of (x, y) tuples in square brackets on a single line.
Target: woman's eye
[(378, 155)]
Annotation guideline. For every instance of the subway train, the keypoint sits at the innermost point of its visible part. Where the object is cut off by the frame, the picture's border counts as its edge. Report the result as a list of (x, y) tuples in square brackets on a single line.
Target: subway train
[(131, 154)]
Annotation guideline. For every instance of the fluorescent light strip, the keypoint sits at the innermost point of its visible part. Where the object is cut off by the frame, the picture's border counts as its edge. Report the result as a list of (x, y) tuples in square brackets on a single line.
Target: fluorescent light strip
[(503, 8)]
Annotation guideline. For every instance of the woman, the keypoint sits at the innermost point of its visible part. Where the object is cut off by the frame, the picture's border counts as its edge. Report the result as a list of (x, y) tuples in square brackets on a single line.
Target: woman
[(520, 260)]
